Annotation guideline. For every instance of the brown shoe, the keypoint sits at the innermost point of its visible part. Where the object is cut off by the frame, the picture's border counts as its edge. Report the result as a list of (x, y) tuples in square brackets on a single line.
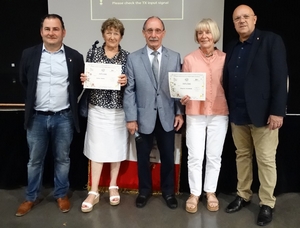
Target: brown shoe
[(64, 204), (25, 207), (191, 205), (212, 201)]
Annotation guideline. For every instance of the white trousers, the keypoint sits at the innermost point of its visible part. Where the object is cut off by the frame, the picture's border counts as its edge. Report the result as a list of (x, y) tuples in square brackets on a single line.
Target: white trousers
[(205, 135)]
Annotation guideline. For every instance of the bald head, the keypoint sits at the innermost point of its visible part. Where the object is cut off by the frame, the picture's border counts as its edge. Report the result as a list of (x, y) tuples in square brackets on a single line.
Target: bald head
[(243, 8), (244, 21)]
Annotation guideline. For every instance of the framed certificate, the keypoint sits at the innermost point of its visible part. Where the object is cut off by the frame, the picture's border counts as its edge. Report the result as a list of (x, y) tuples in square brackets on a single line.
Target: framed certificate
[(102, 76), (188, 83)]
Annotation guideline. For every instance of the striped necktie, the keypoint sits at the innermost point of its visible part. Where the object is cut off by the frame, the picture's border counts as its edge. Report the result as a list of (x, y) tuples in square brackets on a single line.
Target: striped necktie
[(155, 65)]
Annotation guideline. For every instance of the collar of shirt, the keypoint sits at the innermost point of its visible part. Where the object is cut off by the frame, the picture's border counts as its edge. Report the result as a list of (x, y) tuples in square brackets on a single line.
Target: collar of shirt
[(249, 40), (149, 51), (62, 49)]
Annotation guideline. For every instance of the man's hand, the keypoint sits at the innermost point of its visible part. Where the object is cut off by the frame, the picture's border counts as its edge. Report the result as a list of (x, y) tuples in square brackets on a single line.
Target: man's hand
[(275, 122), (132, 127), (178, 122)]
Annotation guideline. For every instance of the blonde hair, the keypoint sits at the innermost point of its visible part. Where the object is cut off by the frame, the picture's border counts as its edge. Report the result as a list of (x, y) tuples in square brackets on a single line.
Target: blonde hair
[(208, 24)]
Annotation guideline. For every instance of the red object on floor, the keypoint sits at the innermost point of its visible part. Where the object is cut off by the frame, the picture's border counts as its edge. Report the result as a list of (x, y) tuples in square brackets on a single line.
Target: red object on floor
[(128, 178)]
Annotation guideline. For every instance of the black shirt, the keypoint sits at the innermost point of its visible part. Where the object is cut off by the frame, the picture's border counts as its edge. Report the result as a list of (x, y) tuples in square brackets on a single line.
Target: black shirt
[(237, 70)]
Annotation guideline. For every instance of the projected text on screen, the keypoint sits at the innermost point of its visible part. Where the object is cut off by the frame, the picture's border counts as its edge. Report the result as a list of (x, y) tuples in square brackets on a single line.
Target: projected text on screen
[(167, 10)]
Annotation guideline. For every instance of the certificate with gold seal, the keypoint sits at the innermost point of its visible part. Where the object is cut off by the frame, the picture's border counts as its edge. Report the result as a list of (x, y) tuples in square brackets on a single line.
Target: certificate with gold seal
[(188, 83), (102, 76)]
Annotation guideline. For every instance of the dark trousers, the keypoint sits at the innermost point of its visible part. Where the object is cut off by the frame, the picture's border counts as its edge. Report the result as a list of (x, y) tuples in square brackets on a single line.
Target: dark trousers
[(165, 143)]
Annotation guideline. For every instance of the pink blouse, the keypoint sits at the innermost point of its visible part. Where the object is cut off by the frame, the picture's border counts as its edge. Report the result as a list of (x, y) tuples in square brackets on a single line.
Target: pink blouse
[(215, 103)]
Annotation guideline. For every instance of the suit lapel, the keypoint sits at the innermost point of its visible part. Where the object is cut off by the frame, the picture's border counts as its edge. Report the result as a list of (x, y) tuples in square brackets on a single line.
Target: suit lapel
[(163, 65), (255, 45), (36, 60), (147, 66), (69, 63)]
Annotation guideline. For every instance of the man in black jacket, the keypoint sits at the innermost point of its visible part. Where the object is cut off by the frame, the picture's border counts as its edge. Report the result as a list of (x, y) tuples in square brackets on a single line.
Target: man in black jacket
[(50, 73), (255, 84)]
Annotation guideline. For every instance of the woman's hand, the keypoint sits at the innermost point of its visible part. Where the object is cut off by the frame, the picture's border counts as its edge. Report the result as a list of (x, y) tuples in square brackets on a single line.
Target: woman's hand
[(83, 78), (185, 99), (122, 79)]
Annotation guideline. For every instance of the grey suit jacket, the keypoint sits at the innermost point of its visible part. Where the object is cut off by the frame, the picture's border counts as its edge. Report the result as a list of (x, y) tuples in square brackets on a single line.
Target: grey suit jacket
[(143, 98)]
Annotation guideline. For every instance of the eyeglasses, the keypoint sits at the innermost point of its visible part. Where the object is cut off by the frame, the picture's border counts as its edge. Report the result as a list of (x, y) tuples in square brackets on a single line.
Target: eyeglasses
[(150, 31), (245, 16)]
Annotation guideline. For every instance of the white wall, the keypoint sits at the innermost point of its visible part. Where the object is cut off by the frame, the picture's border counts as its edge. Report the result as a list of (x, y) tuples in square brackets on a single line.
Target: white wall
[(83, 19)]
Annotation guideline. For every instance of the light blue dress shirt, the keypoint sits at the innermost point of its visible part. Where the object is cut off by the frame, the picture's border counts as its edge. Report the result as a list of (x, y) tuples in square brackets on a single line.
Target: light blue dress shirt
[(52, 82)]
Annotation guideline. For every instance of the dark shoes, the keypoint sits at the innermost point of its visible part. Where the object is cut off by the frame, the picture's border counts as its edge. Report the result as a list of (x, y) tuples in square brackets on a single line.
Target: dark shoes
[(264, 216), (25, 207), (141, 200), (237, 204), (64, 204), (171, 201)]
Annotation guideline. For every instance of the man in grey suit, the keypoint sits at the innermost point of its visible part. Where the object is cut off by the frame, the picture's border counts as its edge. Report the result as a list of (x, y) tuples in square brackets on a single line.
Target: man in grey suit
[(151, 111)]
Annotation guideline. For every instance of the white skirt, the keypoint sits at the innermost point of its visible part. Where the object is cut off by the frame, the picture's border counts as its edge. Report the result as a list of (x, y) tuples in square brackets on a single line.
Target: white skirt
[(106, 138)]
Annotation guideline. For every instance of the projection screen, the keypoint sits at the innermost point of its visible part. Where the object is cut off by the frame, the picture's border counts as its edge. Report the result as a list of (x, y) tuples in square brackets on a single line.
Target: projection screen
[(83, 19)]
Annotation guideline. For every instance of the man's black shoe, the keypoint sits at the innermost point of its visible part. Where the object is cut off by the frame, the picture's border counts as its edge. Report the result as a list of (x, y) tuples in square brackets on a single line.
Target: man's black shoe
[(171, 201), (141, 200), (265, 215), (236, 205)]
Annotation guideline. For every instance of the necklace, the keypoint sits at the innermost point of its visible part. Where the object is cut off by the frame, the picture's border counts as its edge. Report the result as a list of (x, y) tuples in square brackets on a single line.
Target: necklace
[(207, 55)]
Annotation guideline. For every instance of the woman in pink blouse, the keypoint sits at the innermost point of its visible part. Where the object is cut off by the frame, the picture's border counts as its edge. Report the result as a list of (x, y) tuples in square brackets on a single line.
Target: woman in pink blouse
[(206, 121)]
